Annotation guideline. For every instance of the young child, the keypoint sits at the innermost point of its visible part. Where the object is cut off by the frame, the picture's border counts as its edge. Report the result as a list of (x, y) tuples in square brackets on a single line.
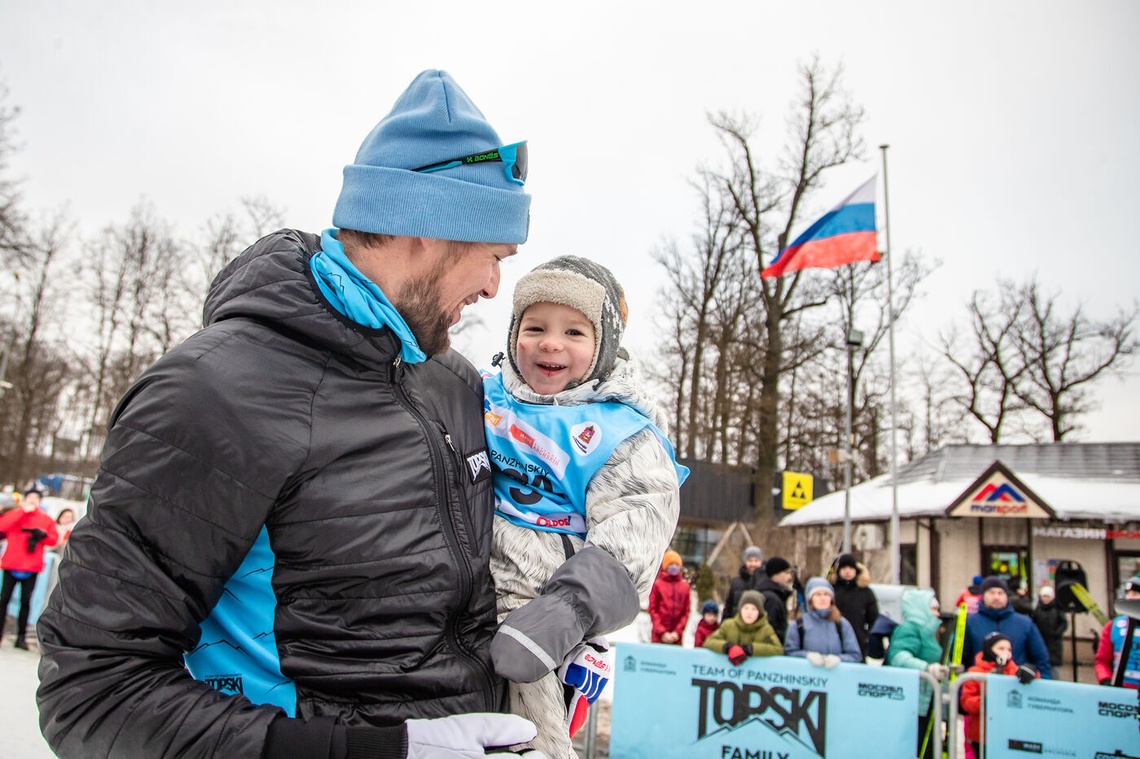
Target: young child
[(996, 657), (670, 600), (586, 488), (746, 634), (708, 624)]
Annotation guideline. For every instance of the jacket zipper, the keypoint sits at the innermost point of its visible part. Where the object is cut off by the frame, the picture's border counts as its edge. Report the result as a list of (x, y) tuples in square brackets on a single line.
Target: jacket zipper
[(466, 583)]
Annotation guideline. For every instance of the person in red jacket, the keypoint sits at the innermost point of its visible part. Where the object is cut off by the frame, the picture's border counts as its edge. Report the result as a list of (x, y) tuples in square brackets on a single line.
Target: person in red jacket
[(1111, 645), (996, 657), (708, 624), (669, 601), (29, 531)]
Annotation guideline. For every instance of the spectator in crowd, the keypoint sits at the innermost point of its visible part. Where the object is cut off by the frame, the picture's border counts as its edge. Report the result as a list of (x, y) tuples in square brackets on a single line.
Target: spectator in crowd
[(29, 531), (1021, 601), (776, 587), (822, 635), (748, 578), (1051, 623), (914, 645), (669, 601), (746, 634), (971, 596), (854, 597), (709, 623), (996, 656), (996, 615), (286, 551), (64, 522), (1111, 645)]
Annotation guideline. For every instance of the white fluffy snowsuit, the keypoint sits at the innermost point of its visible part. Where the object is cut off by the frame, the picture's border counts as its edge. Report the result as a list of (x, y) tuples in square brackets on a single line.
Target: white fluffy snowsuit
[(632, 507)]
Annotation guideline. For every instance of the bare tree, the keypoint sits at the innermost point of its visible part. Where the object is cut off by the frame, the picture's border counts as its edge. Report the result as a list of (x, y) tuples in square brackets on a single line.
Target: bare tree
[(1063, 353), (12, 218), (695, 279), (35, 368), (988, 367), (822, 135), (138, 307), (229, 233)]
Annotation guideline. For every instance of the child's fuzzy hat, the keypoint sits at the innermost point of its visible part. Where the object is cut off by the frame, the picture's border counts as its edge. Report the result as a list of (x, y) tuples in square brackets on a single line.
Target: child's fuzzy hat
[(585, 286)]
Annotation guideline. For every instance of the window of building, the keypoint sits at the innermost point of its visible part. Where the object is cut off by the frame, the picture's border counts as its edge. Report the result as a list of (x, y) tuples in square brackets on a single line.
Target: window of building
[(1008, 563), (908, 564), (695, 543)]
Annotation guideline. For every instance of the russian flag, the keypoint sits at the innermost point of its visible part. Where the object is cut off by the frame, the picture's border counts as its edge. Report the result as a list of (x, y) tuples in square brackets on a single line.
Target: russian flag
[(843, 235)]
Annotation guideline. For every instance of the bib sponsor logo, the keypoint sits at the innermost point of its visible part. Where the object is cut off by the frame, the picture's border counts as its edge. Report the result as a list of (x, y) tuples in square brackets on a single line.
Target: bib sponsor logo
[(586, 436)]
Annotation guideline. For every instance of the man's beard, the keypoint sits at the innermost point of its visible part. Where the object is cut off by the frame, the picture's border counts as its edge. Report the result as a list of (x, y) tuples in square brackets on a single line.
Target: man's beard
[(418, 302)]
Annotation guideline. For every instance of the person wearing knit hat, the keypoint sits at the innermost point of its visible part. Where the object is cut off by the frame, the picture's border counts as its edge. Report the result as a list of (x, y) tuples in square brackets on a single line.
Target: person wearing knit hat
[(748, 633), (323, 367), (822, 635), (996, 614), (747, 578), (708, 623), (779, 599), (996, 657), (583, 468), (971, 596), (579, 285), (855, 599), (669, 601)]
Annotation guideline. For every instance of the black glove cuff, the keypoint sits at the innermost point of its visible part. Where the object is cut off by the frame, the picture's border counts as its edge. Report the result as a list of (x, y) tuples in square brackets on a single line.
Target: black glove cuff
[(376, 742), (726, 647), (747, 648), (302, 739)]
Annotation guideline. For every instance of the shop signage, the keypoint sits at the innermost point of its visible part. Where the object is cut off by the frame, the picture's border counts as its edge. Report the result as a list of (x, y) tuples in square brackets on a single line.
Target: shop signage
[(1085, 533), (999, 494)]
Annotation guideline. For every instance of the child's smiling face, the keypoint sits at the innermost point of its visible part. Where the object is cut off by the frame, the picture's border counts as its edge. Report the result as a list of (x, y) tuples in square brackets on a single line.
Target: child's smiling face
[(555, 347)]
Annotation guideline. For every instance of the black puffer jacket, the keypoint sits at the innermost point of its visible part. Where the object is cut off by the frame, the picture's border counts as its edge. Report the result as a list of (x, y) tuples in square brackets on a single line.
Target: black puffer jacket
[(775, 604), (743, 581), (279, 413), (857, 603)]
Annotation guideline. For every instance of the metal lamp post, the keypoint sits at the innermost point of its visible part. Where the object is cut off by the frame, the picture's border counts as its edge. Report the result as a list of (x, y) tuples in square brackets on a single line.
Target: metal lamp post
[(854, 340)]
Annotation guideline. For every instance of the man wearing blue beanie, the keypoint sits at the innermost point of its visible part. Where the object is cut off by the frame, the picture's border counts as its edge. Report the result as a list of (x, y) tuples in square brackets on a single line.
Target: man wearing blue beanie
[(286, 548)]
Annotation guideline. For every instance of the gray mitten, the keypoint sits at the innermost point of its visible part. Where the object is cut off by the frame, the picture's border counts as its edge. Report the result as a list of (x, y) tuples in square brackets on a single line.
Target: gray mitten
[(591, 594)]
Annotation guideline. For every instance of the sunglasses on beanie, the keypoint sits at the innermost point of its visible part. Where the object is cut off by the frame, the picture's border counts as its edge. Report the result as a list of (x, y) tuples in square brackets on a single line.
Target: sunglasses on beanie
[(513, 157)]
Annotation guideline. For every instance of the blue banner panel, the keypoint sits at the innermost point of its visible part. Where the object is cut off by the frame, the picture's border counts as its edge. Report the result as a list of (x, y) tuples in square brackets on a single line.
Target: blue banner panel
[(1054, 718), (683, 703)]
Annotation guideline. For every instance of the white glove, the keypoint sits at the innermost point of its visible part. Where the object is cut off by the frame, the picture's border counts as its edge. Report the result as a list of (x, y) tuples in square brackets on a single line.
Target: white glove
[(830, 660), (939, 671), (466, 736), (816, 658)]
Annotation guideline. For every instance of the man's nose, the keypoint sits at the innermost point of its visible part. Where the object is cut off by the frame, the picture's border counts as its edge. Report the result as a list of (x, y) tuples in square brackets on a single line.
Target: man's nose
[(492, 287)]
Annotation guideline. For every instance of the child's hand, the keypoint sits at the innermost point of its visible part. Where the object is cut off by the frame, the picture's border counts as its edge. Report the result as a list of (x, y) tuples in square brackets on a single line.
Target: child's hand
[(815, 657), (736, 655)]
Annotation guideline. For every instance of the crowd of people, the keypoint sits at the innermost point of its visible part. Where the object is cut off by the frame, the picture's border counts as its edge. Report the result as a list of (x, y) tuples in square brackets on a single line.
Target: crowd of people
[(488, 529), (838, 619)]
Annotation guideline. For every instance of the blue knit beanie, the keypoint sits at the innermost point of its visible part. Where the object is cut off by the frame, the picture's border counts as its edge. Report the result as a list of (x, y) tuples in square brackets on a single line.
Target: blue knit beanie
[(432, 121), (818, 583)]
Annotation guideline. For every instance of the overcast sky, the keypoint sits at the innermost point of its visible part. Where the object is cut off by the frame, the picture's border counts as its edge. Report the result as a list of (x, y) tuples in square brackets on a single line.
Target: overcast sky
[(1013, 126)]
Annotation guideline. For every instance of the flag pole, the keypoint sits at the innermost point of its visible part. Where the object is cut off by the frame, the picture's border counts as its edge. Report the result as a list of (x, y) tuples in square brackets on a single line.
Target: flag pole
[(896, 556)]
